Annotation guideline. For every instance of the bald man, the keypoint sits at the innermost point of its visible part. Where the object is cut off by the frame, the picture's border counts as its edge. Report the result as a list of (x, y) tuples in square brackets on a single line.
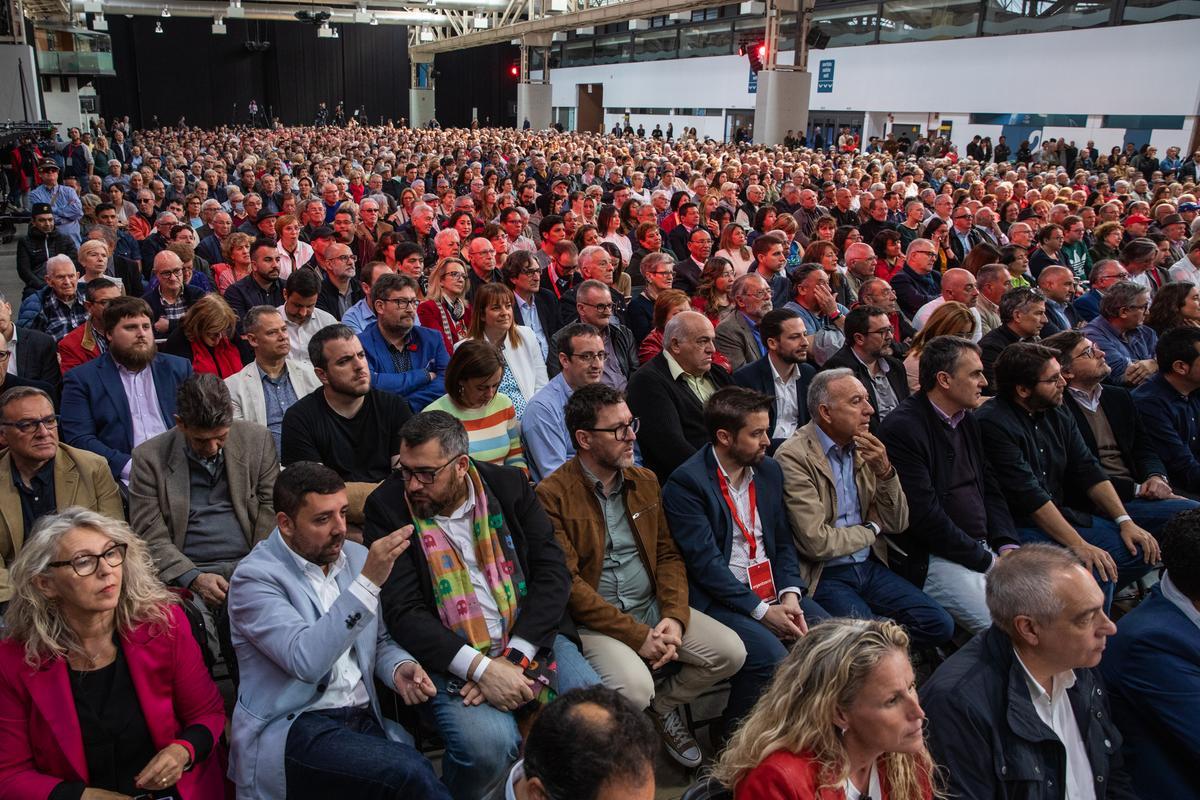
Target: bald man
[(860, 267), (1058, 285), (960, 286), (340, 289)]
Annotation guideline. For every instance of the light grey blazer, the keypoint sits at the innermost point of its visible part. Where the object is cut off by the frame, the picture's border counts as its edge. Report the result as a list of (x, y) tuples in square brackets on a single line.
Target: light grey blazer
[(286, 649)]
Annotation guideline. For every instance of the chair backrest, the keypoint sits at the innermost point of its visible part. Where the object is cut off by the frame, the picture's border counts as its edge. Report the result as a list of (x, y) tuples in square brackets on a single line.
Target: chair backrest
[(707, 789)]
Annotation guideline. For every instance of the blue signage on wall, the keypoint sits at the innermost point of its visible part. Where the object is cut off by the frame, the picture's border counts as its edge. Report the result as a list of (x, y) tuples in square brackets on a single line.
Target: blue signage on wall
[(825, 76), (753, 84)]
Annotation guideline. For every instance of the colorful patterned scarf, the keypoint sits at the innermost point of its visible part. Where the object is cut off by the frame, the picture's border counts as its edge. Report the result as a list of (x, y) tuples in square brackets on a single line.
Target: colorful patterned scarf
[(458, 607)]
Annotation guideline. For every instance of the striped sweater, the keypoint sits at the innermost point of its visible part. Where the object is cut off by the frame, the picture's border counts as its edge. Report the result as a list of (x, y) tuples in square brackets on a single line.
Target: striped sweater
[(494, 431)]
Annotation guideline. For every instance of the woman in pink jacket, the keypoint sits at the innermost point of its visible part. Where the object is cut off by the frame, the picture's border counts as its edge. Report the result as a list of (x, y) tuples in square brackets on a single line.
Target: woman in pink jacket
[(103, 691)]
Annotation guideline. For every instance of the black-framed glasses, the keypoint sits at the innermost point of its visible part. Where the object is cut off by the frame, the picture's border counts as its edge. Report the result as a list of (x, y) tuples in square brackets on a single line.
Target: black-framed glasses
[(621, 432), (590, 358), (86, 564), (171, 273), (423, 476), (1059, 378), (531, 271), (401, 302), (29, 425), (1087, 352), (603, 308), (885, 332)]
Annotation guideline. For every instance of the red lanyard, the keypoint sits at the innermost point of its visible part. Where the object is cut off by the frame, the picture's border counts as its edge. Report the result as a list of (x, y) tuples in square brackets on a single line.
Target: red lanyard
[(747, 533)]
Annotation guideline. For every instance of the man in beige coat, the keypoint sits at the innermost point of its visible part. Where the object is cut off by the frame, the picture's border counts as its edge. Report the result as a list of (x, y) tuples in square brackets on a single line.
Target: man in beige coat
[(39, 475), (843, 496)]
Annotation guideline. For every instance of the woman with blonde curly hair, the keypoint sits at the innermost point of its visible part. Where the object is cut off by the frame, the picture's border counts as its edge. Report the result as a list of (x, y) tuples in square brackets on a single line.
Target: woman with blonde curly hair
[(840, 720), (949, 319), (236, 252), (103, 688)]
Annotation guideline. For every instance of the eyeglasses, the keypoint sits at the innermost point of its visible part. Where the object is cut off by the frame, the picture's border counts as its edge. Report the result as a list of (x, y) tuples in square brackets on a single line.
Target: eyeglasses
[(350, 259), (454, 274), (670, 272), (921, 253), (1055, 379), (886, 332), (29, 425), (86, 564), (962, 216), (531, 271), (1087, 352), (401, 302), (423, 476), (591, 358), (171, 273), (1139, 307), (603, 308), (621, 432)]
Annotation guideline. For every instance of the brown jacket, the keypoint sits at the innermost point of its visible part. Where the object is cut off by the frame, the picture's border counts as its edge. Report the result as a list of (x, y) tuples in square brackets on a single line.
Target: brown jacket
[(570, 501), (811, 499), (81, 478)]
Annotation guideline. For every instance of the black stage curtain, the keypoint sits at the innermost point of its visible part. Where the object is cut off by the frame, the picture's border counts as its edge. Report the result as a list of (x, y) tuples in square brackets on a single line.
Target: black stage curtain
[(480, 79), (187, 71)]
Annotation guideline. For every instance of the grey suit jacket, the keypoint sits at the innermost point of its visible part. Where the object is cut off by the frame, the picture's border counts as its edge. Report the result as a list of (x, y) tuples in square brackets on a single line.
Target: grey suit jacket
[(80, 479), (160, 490), (246, 391), (736, 341), (286, 649)]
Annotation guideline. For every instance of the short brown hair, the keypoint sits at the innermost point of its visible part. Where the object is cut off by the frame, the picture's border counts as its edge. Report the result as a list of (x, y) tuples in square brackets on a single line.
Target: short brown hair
[(123, 307), (666, 301), (472, 359)]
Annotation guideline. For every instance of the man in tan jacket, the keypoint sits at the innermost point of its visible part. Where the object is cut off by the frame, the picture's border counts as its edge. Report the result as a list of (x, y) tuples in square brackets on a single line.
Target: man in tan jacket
[(629, 588), (842, 496), (39, 475)]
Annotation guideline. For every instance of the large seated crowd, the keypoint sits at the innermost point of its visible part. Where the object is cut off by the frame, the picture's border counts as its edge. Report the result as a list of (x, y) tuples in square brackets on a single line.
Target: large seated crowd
[(526, 442)]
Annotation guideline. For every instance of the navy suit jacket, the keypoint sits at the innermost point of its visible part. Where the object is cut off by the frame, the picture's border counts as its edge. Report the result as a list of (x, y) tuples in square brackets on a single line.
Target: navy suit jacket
[(95, 408), (703, 529), (414, 385), (1152, 669), (757, 375)]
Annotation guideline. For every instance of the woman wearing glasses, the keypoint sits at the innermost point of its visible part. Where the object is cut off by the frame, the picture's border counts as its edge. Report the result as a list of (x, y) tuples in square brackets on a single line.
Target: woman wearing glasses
[(473, 397), (445, 308), (495, 323), (103, 689)]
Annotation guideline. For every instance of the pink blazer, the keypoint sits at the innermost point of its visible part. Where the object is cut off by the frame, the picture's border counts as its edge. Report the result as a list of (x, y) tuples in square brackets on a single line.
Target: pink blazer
[(40, 740)]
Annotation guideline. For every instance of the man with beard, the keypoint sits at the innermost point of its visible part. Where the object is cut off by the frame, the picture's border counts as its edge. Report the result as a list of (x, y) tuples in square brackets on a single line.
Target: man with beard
[(1056, 489), (479, 599), (725, 508), (868, 354), (738, 337), (783, 373), (262, 286), (420, 231), (304, 613), (346, 425), (340, 288), (115, 402), (406, 360)]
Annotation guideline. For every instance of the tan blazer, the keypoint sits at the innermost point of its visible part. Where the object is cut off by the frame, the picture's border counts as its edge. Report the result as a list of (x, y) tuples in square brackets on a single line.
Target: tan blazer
[(246, 391), (160, 491), (811, 499), (736, 341), (81, 478)]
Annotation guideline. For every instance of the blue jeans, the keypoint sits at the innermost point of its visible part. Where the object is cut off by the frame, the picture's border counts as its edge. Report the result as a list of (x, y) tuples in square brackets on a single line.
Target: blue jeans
[(1154, 514), (764, 651), (1106, 534), (482, 742), (870, 589), (343, 752)]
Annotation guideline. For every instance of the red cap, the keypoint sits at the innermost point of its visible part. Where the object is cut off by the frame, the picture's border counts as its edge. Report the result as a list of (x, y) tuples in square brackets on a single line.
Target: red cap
[(1138, 218)]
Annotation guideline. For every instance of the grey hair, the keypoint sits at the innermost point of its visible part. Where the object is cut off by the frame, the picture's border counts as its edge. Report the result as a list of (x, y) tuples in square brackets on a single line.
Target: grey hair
[(202, 403), (445, 234), (20, 393), (421, 208), (38, 622), (590, 252), (1120, 295), (679, 324), (57, 260), (818, 389), (651, 262), (250, 321), (1022, 584), (1099, 267), (742, 285), (590, 285), (446, 429)]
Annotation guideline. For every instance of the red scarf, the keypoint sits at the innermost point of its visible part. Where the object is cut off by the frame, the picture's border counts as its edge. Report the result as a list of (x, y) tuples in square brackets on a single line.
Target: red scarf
[(222, 361)]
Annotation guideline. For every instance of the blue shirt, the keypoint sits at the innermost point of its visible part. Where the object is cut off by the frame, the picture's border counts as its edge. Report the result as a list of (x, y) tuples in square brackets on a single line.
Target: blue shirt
[(280, 396), (841, 463), (547, 444), (1120, 349), (64, 202), (529, 316)]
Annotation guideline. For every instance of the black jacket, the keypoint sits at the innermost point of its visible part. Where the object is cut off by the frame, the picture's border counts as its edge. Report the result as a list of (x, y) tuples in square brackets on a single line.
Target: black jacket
[(672, 416), (757, 375), (989, 741), (546, 305), (1137, 451), (920, 449), (327, 298), (677, 242), (37, 358), (190, 295), (568, 311), (34, 250), (623, 346), (991, 346), (896, 376), (407, 599)]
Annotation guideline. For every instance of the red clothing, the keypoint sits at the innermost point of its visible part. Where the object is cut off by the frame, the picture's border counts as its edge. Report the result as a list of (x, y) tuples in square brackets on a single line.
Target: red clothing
[(785, 775), (885, 271), (223, 360), (433, 315), (77, 347), (653, 343), (139, 227), (40, 740)]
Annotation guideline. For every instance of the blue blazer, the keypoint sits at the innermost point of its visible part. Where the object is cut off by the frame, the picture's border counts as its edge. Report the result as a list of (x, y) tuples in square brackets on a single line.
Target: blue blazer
[(286, 648), (95, 410), (757, 375), (413, 385), (703, 529), (1152, 669)]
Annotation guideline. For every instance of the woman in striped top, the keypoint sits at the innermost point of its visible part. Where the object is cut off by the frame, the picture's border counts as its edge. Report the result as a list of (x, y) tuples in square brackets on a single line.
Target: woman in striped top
[(472, 397)]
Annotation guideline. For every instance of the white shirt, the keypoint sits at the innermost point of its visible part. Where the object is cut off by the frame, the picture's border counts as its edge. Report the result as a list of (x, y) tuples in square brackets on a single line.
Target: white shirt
[(1182, 270), (1181, 601), (1054, 709), (144, 412), (12, 351), (457, 527), (926, 311), (874, 790), (345, 688), (299, 335), (787, 402)]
